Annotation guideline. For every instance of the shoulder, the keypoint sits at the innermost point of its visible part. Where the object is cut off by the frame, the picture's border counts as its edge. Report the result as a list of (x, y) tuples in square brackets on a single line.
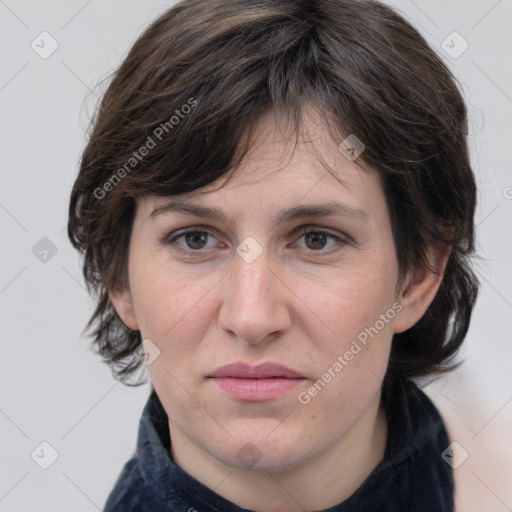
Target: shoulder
[(125, 495), (413, 475)]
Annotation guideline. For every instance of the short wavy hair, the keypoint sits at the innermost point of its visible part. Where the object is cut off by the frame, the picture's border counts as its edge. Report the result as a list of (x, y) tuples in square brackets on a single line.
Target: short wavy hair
[(200, 77)]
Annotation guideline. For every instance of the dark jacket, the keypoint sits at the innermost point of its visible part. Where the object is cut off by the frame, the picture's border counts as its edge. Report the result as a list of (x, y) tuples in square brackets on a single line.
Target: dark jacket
[(412, 477)]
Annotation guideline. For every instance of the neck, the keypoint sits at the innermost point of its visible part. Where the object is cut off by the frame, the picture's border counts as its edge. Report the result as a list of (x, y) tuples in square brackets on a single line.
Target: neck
[(321, 483)]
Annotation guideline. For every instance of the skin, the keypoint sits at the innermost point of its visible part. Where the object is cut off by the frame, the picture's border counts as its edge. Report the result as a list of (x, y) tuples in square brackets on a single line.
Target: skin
[(300, 303)]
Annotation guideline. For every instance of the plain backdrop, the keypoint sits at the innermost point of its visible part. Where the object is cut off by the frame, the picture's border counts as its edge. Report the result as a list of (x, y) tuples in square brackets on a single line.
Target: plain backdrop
[(54, 390)]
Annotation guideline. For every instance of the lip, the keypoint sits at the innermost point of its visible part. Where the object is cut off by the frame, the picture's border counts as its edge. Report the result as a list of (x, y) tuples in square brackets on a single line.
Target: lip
[(266, 381), (262, 371)]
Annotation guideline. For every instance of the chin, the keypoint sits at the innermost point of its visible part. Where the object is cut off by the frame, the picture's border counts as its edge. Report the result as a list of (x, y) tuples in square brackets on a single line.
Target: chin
[(274, 454)]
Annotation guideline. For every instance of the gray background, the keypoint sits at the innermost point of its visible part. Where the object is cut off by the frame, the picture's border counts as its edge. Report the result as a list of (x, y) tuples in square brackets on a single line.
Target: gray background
[(54, 389)]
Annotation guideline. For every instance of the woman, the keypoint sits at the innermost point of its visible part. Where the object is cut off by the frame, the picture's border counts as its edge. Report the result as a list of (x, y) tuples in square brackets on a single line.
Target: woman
[(275, 209)]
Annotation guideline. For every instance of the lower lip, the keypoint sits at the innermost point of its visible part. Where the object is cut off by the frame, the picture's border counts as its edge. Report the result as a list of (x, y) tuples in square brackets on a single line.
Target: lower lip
[(256, 390)]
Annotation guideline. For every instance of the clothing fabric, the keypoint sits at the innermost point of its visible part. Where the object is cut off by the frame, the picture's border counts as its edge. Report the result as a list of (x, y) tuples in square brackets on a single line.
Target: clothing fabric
[(412, 477)]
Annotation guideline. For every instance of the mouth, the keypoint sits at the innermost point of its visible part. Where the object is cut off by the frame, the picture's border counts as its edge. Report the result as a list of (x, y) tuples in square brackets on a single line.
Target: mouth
[(260, 383)]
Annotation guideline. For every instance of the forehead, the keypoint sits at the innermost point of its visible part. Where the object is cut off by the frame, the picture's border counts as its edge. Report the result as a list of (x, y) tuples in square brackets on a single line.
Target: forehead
[(306, 155)]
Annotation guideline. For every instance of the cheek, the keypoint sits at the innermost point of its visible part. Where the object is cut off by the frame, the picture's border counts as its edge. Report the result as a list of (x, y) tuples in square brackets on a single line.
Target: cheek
[(171, 306), (353, 340), (351, 302)]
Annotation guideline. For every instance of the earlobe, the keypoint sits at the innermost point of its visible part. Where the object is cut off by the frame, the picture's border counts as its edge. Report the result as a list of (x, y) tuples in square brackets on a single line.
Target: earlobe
[(123, 304), (419, 290)]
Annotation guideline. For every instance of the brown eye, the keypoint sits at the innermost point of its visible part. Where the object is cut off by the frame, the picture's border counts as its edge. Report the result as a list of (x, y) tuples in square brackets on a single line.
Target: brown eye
[(194, 240), (316, 240)]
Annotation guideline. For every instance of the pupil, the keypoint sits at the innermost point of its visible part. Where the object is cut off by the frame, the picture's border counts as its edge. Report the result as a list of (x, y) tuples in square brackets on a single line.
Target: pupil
[(193, 237), (315, 237)]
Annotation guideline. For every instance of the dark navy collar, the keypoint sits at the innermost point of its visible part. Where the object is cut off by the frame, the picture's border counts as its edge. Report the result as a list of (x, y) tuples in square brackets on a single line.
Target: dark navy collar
[(412, 476)]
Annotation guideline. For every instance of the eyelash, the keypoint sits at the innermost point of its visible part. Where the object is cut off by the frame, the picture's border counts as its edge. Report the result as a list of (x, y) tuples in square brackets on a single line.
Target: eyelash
[(171, 240)]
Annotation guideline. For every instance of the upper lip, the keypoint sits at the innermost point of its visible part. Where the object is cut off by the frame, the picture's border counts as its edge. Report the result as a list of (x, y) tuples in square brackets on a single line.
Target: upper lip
[(261, 371)]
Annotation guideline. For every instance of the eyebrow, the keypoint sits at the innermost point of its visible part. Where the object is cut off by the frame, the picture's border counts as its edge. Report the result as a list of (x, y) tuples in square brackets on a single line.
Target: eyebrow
[(296, 212)]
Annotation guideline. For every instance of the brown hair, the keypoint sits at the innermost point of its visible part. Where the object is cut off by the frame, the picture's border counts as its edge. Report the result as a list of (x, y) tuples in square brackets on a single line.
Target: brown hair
[(202, 74)]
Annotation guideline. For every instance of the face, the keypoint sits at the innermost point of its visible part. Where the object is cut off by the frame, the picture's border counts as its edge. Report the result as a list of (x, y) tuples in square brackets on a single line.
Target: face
[(314, 293)]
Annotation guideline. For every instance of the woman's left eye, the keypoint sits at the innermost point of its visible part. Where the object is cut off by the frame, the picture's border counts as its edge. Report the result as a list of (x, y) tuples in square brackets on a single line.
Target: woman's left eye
[(196, 240), (318, 238)]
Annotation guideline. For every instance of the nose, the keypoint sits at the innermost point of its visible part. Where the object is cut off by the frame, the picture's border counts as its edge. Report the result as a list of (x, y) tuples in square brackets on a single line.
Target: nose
[(255, 306)]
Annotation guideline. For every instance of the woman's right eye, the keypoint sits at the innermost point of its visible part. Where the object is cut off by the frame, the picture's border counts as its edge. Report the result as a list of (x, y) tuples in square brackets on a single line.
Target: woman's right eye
[(194, 240)]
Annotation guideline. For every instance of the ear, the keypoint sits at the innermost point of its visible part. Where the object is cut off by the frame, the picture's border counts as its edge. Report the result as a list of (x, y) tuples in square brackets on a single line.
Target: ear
[(420, 288), (123, 304)]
